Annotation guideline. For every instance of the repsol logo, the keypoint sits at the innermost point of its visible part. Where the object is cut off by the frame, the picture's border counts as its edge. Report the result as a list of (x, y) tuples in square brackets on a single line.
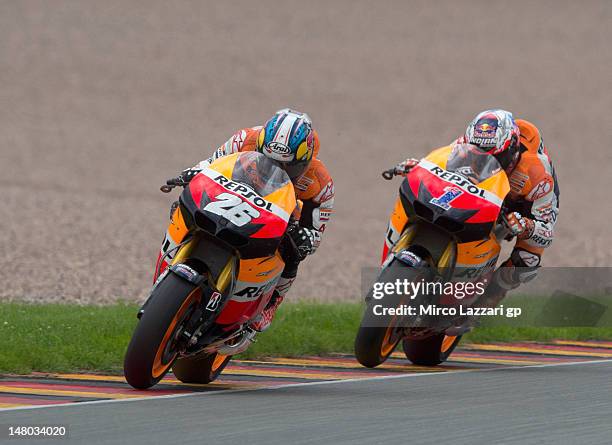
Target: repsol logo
[(244, 191), (457, 180)]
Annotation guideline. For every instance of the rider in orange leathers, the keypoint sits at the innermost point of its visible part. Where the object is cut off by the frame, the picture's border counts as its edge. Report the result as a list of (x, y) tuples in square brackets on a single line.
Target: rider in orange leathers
[(532, 205), (288, 137)]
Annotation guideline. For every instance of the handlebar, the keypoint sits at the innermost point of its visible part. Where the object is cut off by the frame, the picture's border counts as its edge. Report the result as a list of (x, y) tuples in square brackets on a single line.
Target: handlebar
[(390, 173), (171, 183)]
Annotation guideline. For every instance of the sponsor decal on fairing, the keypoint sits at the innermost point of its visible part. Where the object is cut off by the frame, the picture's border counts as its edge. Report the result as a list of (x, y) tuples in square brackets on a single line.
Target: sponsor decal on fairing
[(245, 192), (408, 258), (444, 200), (214, 301), (460, 181)]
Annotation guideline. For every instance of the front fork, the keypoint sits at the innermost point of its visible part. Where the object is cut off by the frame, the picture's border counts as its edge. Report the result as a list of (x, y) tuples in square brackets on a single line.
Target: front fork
[(214, 291), (175, 237)]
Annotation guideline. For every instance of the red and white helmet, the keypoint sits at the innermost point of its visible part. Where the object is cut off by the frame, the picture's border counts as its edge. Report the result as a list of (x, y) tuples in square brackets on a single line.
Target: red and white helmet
[(495, 132)]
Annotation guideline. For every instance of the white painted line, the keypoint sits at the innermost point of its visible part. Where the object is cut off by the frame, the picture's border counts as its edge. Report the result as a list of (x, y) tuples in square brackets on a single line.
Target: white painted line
[(97, 402), (297, 385), (420, 374)]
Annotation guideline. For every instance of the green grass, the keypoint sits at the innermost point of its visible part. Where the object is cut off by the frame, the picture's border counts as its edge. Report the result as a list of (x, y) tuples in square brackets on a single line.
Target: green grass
[(63, 338), (66, 338), (509, 334), (305, 328)]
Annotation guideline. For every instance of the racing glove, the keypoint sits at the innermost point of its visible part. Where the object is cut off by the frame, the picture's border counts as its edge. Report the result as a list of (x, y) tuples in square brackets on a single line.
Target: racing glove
[(518, 225), (189, 174), (405, 166), (306, 240), (181, 180)]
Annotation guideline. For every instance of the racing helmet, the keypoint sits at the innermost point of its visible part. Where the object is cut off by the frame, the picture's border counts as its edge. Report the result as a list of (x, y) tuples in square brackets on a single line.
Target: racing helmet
[(495, 132), (289, 139)]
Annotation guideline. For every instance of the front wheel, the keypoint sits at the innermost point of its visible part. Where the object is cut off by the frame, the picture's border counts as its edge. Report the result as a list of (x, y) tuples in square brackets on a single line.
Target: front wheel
[(154, 344), (373, 345), (430, 351), (201, 368), (378, 335)]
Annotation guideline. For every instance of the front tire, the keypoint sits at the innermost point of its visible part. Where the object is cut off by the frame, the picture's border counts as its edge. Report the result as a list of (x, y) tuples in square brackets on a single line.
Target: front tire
[(378, 336), (430, 351), (201, 368), (374, 345), (153, 347)]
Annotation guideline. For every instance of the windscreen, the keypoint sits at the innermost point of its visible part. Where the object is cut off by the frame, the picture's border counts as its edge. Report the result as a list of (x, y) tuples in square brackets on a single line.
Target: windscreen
[(259, 172), (472, 163)]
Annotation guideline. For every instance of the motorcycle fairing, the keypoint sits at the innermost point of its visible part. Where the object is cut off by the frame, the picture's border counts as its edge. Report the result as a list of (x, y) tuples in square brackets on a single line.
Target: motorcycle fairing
[(177, 229), (235, 212), (493, 183), (253, 289), (477, 248), (258, 263), (467, 210)]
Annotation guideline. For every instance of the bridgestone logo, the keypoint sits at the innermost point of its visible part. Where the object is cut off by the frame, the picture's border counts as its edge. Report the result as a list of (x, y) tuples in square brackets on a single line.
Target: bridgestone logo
[(458, 180)]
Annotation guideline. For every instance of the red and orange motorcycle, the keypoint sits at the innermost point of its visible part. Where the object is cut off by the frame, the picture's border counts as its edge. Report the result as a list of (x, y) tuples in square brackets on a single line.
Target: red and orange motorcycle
[(220, 261), (444, 229)]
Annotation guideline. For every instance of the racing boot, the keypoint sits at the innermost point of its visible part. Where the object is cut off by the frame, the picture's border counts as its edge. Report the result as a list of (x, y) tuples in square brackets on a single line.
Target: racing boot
[(264, 320), (501, 283)]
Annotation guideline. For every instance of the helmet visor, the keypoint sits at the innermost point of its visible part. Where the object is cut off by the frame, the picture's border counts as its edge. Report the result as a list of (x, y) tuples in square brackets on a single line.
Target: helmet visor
[(295, 170)]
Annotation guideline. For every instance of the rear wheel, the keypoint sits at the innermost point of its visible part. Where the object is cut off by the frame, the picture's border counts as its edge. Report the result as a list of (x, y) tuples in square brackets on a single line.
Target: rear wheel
[(155, 341), (201, 368), (430, 351)]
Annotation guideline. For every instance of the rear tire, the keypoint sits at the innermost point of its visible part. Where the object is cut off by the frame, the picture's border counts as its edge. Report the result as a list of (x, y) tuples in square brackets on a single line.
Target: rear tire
[(430, 351), (201, 368), (151, 351)]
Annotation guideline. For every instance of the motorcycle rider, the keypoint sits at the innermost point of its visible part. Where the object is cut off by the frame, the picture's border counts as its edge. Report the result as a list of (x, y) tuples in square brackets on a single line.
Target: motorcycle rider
[(288, 138), (532, 206)]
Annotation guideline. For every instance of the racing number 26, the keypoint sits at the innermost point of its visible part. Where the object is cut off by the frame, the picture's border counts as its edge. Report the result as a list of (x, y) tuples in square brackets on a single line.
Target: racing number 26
[(232, 208)]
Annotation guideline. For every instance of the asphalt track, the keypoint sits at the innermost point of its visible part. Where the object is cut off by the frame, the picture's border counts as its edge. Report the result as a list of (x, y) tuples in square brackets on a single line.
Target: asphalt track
[(514, 393)]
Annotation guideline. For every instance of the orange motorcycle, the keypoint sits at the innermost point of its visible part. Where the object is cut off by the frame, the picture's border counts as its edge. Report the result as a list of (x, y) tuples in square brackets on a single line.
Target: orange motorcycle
[(444, 229), (219, 264)]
